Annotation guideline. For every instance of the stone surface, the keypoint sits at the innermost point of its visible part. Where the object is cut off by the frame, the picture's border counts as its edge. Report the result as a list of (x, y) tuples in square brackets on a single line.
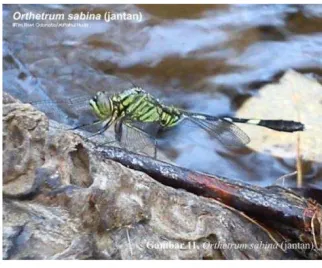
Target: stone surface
[(62, 202)]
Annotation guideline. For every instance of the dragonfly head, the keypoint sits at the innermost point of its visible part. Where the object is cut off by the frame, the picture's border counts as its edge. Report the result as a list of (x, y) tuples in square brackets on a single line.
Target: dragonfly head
[(102, 105)]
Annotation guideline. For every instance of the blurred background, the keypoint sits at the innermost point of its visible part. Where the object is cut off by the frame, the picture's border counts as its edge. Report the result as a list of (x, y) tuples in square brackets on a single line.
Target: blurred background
[(204, 58)]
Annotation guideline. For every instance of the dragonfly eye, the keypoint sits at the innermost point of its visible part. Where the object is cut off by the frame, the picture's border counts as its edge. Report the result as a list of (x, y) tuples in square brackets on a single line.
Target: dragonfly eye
[(103, 105)]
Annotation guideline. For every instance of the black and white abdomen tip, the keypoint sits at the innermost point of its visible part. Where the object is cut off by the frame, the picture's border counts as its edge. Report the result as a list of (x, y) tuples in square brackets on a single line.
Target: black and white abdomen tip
[(282, 125), (279, 125)]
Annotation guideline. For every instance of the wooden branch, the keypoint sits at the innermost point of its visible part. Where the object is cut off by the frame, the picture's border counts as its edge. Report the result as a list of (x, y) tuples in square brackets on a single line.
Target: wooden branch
[(265, 204)]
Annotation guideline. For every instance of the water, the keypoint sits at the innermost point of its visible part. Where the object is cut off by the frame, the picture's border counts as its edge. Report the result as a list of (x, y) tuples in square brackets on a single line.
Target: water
[(205, 58)]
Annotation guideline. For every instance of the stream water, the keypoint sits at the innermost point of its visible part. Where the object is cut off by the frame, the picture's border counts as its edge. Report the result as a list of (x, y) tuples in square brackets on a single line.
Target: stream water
[(205, 58)]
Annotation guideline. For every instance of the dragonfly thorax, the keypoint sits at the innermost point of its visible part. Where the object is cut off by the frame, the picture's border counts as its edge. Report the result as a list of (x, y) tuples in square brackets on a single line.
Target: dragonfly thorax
[(134, 104)]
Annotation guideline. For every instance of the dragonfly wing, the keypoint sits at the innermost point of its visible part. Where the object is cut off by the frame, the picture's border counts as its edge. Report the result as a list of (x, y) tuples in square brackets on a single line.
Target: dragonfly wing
[(75, 104), (226, 132), (67, 110), (150, 128), (134, 135)]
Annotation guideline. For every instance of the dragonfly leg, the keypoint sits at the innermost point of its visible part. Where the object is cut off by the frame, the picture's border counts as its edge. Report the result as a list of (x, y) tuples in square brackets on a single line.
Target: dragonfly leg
[(84, 125), (102, 130), (105, 143), (118, 130), (155, 149)]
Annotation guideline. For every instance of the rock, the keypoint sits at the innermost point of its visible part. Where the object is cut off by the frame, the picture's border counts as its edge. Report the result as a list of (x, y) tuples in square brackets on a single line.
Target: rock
[(62, 202)]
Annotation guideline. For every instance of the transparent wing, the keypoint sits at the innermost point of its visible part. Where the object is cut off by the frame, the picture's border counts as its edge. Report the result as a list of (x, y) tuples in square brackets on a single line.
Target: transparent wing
[(79, 101), (136, 136), (151, 129), (72, 111), (226, 132), (72, 105)]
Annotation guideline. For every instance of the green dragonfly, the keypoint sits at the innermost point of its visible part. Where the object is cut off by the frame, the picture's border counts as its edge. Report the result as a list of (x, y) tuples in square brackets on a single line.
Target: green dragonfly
[(138, 117)]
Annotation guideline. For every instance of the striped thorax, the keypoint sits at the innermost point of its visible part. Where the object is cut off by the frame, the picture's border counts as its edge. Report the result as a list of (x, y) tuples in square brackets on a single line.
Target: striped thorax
[(136, 105)]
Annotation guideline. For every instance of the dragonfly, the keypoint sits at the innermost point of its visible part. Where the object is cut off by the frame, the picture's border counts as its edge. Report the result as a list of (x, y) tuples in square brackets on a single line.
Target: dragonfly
[(138, 117)]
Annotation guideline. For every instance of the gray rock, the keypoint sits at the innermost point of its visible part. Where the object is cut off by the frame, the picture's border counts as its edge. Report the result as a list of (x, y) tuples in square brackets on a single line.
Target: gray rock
[(62, 202)]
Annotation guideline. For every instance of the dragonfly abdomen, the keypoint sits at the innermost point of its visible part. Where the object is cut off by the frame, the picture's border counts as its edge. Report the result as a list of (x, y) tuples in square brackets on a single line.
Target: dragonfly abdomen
[(169, 120), (279, 125), (170, 116)]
